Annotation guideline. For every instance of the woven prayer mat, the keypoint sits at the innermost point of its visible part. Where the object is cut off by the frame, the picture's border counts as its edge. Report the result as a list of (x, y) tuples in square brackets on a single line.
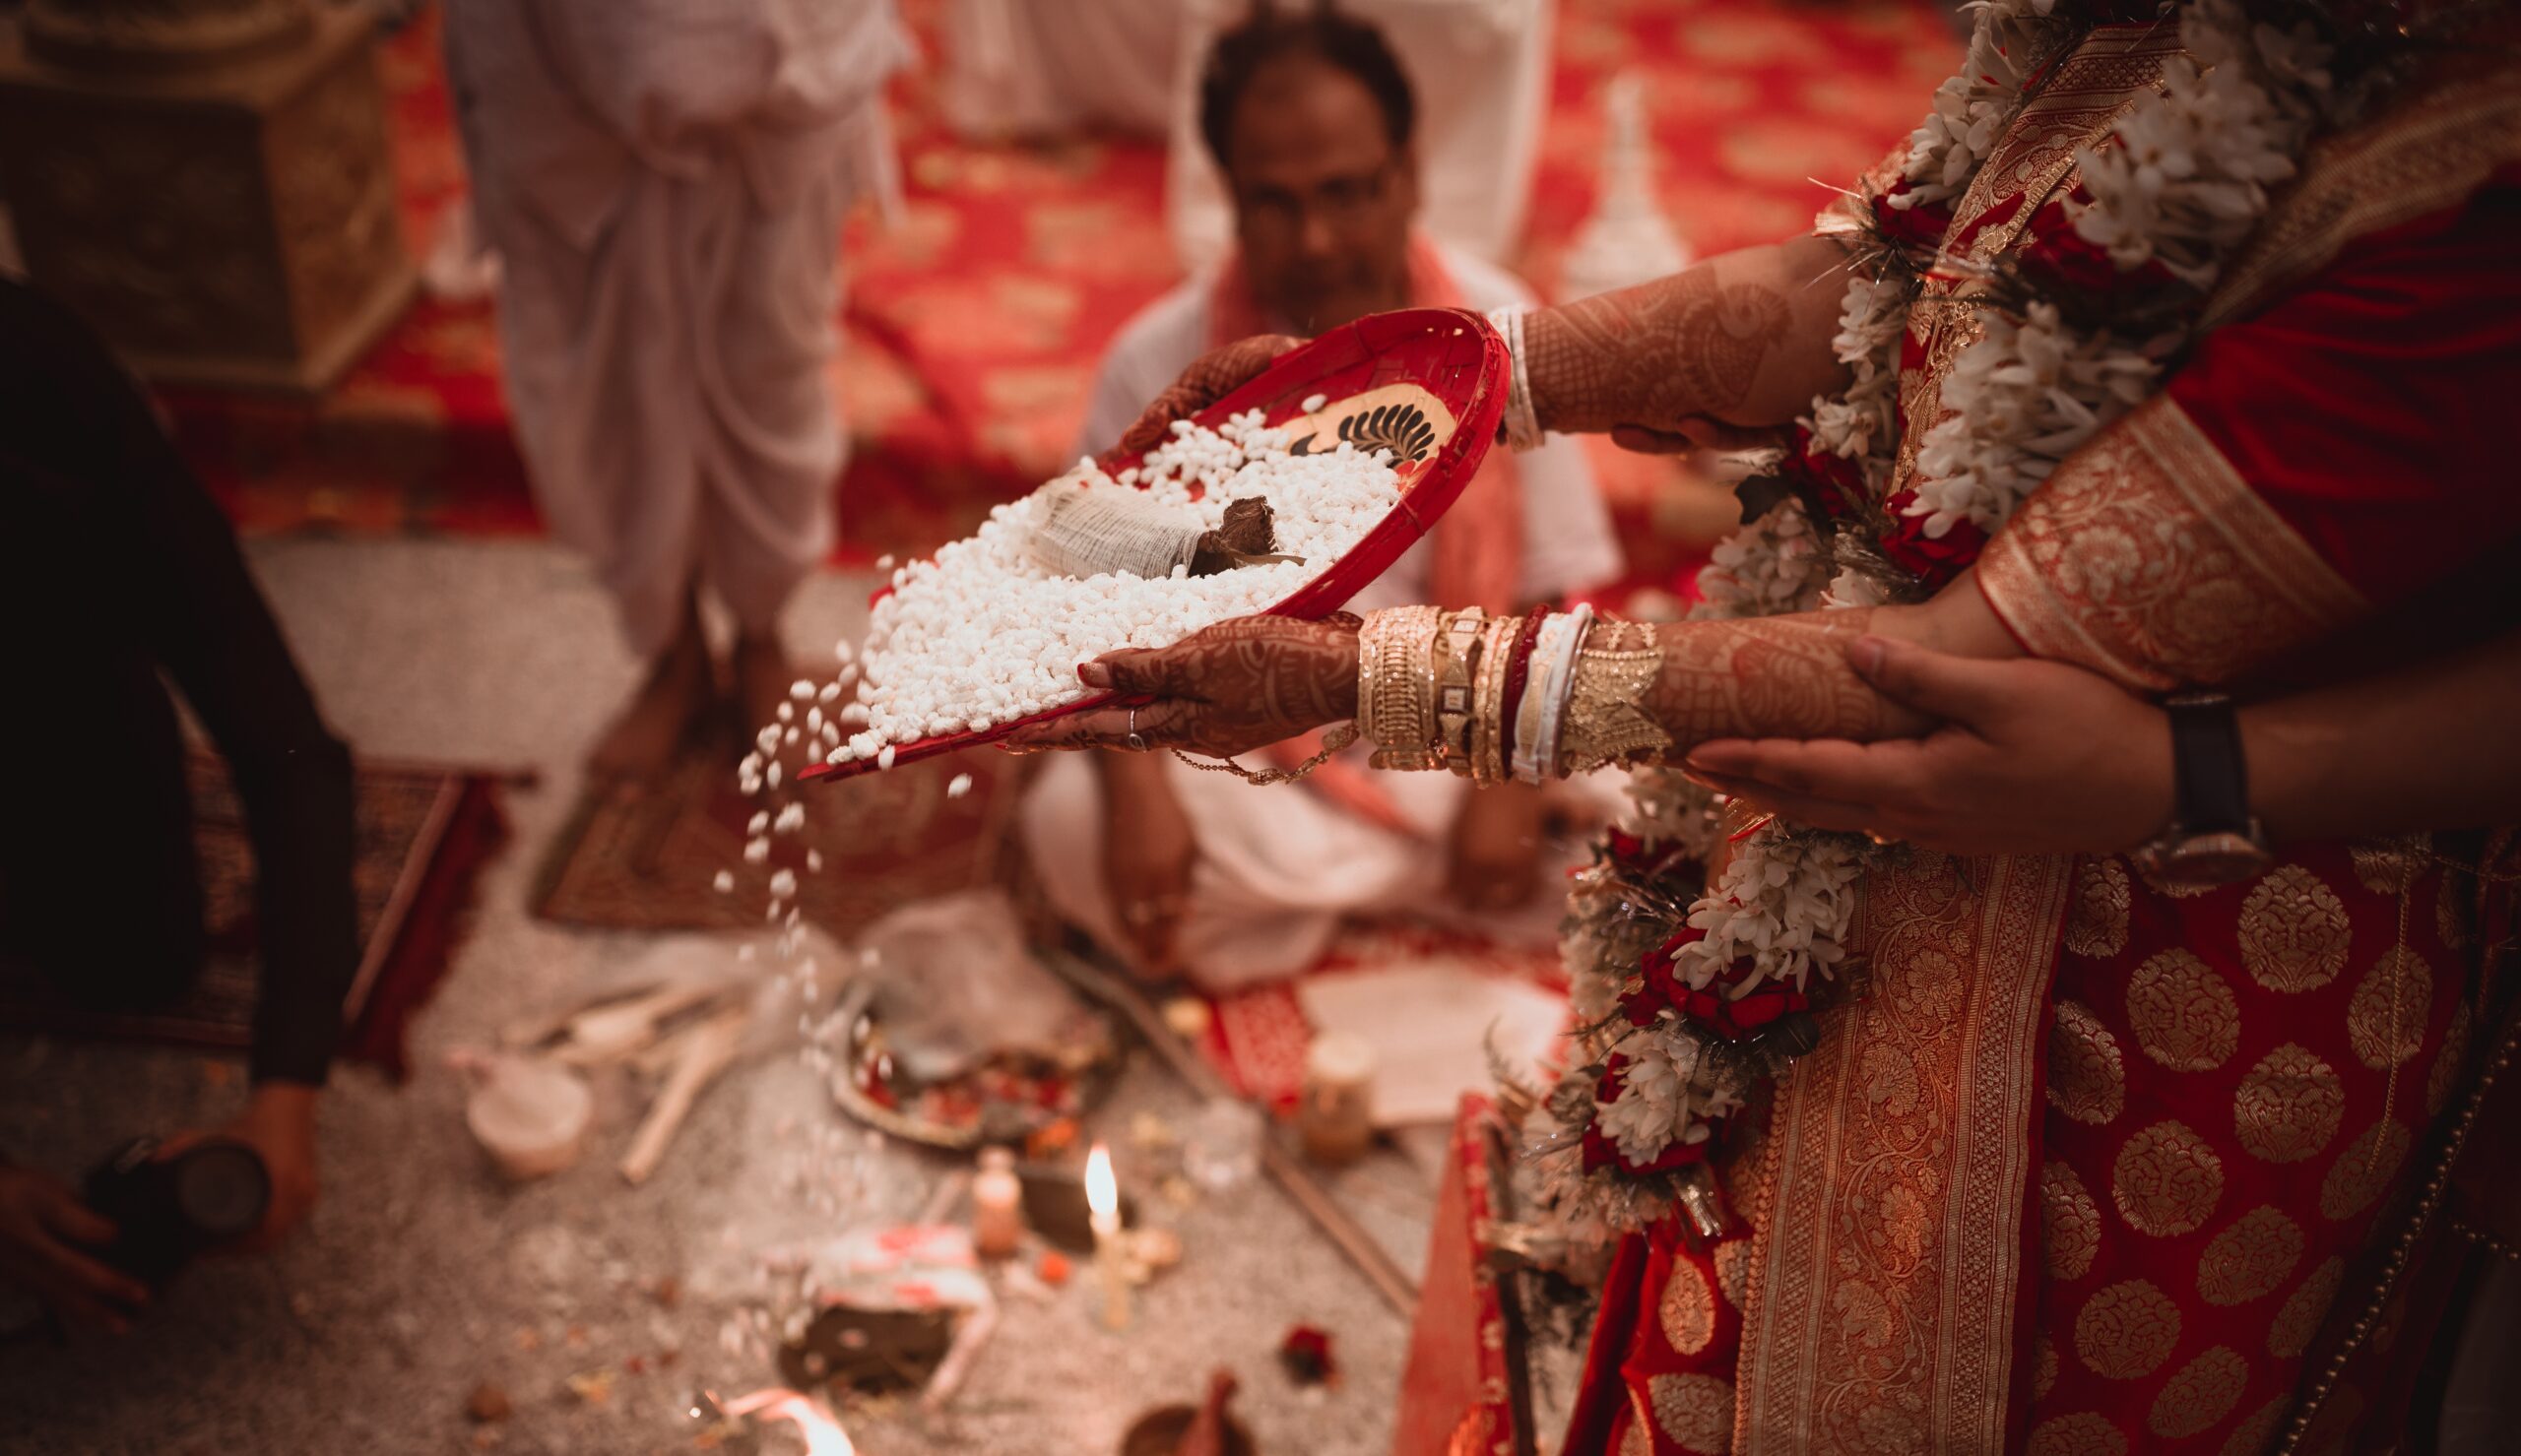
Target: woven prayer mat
[(885, 840), (423, 833)]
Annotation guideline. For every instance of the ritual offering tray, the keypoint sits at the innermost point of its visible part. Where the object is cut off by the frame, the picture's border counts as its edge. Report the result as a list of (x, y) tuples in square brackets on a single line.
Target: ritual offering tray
[(1352, 447), (1005, 1097)]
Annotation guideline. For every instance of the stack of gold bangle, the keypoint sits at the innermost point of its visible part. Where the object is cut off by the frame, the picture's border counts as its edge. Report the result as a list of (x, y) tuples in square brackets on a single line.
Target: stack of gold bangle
[(1434, 690)]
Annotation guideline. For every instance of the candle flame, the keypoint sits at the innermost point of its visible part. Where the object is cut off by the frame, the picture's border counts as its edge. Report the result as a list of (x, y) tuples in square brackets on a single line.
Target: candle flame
[(1102, 1191), (823, 1435)]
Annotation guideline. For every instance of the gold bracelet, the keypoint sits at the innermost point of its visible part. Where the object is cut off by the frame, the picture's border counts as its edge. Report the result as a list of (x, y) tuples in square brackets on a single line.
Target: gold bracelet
[(1488, 728), (1397, 686), (1457, 649), (1606, 717)]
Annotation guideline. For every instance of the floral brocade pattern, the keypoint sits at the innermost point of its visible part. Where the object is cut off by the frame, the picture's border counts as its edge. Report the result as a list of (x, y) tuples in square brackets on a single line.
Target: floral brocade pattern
[(2251, 1154)]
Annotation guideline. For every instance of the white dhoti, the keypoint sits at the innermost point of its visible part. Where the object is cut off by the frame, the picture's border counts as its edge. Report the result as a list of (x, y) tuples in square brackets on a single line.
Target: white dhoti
[(665, 182), (1278, 870)]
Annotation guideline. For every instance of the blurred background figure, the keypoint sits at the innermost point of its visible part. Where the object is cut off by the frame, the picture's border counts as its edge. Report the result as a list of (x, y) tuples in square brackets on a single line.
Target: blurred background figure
[(1312, 119), (115, 567), (665, 181)]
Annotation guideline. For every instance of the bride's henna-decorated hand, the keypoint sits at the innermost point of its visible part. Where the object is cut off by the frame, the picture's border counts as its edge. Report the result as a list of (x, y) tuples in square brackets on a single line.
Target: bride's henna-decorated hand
[(1743, 339), (1781, 677), (1211, 377), (1651, 356), (1221, 691)]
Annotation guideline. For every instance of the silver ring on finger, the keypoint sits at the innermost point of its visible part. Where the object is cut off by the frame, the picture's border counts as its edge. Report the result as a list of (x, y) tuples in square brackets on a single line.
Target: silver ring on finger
[(1137, 741)]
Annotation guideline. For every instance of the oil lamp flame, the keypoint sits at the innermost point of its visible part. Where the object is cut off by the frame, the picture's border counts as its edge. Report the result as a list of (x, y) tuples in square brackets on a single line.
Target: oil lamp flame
[(1102, 1191), (823, 1435)]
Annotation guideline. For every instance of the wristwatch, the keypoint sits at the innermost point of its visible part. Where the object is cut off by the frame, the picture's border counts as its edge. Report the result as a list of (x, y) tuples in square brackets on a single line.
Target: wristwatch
[(2213, 839)]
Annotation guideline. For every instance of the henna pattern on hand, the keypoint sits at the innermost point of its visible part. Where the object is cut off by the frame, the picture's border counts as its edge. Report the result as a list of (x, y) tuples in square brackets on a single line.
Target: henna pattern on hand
[(1653, 354), (1211, 377), (1774, 678), (1222, 691)]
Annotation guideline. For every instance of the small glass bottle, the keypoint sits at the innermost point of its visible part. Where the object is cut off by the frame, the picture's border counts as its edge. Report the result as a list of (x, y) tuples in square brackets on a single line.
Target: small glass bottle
[(1335, 1120), (997, 1205)]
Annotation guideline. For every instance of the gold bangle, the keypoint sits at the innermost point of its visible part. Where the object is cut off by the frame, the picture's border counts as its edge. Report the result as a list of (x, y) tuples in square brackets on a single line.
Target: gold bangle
[(1457, 647), (1397, 712), (1488, 702), (1606, 717)]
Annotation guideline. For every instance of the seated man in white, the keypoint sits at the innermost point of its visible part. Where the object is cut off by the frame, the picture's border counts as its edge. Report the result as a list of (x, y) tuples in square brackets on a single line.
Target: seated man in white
[(1178, 871)]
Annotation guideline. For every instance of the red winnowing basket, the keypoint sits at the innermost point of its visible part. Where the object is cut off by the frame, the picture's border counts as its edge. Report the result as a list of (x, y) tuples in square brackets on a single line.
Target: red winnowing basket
[(1379, 375)]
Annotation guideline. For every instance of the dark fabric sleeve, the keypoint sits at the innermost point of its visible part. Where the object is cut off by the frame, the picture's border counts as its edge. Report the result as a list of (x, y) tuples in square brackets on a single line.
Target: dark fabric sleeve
[(172, 577)]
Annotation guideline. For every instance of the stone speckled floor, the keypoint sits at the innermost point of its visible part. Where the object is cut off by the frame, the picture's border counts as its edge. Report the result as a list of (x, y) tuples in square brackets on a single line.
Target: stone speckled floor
[(421, 1277)]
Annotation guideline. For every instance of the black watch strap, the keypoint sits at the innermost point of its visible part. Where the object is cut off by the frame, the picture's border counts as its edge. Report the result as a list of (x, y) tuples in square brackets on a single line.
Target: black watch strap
[(2210, 781)]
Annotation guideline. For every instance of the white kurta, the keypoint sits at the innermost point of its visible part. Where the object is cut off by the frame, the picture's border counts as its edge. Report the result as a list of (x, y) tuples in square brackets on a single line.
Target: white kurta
[(665, 181), (1280, 867)]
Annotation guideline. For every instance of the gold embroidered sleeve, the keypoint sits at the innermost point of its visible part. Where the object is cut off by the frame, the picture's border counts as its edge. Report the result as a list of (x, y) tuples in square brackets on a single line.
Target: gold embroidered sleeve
[(2148, 557)]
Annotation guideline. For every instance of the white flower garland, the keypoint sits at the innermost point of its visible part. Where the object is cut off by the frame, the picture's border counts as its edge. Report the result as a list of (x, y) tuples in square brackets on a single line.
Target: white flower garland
[(2184, 184)]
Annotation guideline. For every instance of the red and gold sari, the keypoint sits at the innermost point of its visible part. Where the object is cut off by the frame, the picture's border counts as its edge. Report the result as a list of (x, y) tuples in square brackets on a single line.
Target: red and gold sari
[(2094, 1166)]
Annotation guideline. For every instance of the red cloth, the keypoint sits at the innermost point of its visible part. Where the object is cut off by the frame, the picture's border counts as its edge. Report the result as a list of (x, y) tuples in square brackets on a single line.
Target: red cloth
[(2370, 410)]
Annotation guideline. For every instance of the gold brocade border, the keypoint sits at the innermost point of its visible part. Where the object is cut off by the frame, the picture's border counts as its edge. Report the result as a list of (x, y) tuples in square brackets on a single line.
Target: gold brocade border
[(2422, 157), (1890, 1257), (2148, 557)]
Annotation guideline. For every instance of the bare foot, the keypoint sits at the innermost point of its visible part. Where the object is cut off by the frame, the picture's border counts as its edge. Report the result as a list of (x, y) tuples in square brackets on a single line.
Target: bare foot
[(640, 744), (763, 675)]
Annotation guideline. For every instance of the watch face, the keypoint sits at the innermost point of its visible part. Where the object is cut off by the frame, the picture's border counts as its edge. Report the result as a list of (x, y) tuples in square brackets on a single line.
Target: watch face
[(2205, 859)]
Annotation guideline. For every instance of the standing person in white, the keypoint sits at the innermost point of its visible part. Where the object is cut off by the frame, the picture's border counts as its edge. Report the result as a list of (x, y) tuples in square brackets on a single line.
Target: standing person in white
[(665, 182), (1311, 117)]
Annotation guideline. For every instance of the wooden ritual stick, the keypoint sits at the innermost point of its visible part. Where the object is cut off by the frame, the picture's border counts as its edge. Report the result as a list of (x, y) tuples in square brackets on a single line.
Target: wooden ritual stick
[(706, 1050), (1396, 1287)]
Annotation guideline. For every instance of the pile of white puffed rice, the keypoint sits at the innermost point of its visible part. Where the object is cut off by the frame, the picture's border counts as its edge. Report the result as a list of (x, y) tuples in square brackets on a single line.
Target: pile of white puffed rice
[(982, 635)]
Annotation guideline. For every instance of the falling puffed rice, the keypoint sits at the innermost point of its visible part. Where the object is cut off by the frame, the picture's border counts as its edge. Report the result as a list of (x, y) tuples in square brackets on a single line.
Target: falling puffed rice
[(757, 850), (801, 689), (771, 778), (958, 786), (783, 883), (725, 883), (813, 861), (1314, 403), (791, 818), (885, 562), (787, 712), (759, 821)]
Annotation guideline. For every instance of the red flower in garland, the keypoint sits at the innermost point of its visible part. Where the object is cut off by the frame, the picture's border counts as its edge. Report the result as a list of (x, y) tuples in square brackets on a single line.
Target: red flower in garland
[(1602, 1151), (1834, 481), (1916, 227), (1664, 984), (1934, 560), (2054, 257), (1734, 1020)]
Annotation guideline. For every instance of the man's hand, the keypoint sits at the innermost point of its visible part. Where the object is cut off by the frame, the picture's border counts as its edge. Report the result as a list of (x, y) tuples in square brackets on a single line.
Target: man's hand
[(2031, 757), (279, 1122), (1211, 377), (1222, 691), (1695, 435), (1494, 864), (1148, 852), (47, 1238)]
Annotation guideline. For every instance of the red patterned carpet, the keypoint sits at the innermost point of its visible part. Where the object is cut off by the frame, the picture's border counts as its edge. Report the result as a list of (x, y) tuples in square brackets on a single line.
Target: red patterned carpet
[(973, 327)]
